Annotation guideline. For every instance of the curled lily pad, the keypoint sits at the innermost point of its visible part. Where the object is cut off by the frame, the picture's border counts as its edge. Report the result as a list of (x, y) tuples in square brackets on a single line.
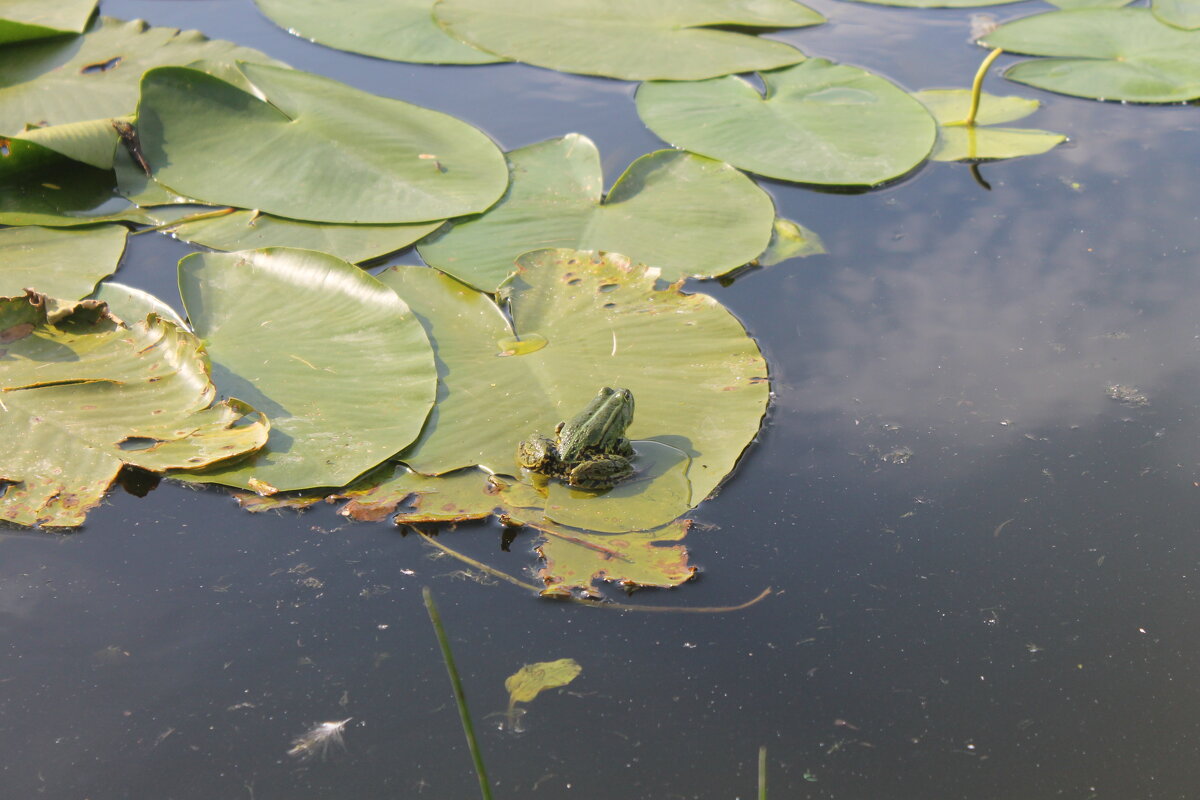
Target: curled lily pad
[(133, 305), (21, 20), (400, 30), (92, 141), (95, 75), (64, 263), (376, 160), (333, 357), (685, 214), (700, 383), (958, 141), (630, 39), (1178, 13), (84, 393), (1104, 53), (818, 123), (41, 187)]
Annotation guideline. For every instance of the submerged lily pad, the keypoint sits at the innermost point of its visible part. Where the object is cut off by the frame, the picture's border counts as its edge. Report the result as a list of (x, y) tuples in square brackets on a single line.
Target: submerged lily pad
[(1105, 54), (699, 381), (958, 141), (21, 20), (41, 187), (63, 263), (335, 359), (95, 75), (635, 40), (685, 214), (376, 160), (84, 393), (818, 123), (399, 30), (790, 240)]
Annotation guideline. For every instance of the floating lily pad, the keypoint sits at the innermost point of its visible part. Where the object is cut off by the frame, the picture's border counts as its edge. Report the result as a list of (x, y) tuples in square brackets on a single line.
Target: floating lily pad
[(529, 681), (376, 160), (63, 263), (22, 20), (699, 381), (790, 240), (92, 142), (958, 141), (334, 358), (685, 214), (1178, 13), (636, 40), (818, 123), (95, 76), (41, 187), (247, 230), (83, 394), (399, 30), (1105, 54), (133, 305)]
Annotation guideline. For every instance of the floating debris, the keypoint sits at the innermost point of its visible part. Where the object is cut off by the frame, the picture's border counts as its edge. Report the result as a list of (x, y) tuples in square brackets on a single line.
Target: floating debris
[(318, 740), (1127, 395)]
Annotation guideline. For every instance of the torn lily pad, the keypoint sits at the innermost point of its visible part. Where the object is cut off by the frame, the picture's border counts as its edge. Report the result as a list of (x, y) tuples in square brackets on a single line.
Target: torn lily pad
[(958, 141), (83, 394), (58, 262), (688, 215)]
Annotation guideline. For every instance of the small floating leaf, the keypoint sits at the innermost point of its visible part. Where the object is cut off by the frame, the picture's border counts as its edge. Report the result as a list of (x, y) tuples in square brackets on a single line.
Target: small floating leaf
[(978, 142), (790, 240), (685, 214), (630, 39), (532, 679), (818, 123), (64, 263)]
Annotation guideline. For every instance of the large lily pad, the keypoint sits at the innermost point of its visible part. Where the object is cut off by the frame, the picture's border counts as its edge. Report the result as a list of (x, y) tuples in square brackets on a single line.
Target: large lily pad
[(958, 141), (21, 20), (374, 159), (685, 214), (399, 30), (635, 40), (699, 381), (64, 263), (41, 187), (95, 75), (819, 123), (334, 358), (1105, 54), (83, 394)]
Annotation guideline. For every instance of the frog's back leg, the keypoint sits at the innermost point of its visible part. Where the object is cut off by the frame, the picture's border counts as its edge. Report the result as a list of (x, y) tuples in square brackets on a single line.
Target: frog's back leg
[(600, 473)]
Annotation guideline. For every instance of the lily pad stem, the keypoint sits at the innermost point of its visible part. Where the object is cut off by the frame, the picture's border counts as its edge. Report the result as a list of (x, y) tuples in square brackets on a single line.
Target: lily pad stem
[(220, 212), (977, 85), (762, 773)]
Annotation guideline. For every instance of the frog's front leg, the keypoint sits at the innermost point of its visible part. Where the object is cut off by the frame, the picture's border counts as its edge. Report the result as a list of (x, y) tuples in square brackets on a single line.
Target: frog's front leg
[(600, 473), (537, 454)]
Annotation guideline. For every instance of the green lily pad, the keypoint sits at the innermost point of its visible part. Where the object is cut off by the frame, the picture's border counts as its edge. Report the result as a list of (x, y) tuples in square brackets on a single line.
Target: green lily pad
[(939, 3), (134, 305), (95, 76), (958, 141), (64, 263), (1105, 54), (22, 20), (529, 681), (685, 214), (400, 30), (92, 141), (84, 393), (376, 160), (1178, 13), (635, 40), (790, 240), (819, 123), (41, 187), (335, 359), (699, 381), (247, 230)]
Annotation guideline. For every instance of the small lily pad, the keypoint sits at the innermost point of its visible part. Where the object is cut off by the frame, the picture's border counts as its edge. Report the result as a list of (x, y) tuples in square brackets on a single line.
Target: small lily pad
[(688, 215), (818, 123), (64, 263), (958, 141), (790, 240), (529, 681)]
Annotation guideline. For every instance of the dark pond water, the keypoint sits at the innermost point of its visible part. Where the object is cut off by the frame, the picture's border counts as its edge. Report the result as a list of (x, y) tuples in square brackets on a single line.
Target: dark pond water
[(985, 565)]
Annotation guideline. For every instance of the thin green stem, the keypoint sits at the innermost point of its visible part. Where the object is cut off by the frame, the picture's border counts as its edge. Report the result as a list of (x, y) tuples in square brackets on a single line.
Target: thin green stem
[(220, 212), (460, 696), (762, 773), (977, 85)]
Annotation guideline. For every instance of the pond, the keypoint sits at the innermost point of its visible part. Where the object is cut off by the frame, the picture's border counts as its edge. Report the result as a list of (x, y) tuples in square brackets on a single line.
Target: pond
[(974, 498)]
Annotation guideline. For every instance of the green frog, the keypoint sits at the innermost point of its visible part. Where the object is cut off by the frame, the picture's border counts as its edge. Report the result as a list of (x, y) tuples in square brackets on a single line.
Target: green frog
[(589, 451)]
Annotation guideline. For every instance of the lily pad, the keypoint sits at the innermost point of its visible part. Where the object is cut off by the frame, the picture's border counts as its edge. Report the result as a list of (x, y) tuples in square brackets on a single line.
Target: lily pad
[(376, 160), (239, 229), (529, 681), (681, 40), (84, 393), (818, 123), (790, 240), (400, 30), (64, 263), (1105, 54), (685, 214), (699, 381), (939, 3), (133, 305), (95, 75), (22, 20), (92, 142), (958, 141), (1178, 13), (335, 359)]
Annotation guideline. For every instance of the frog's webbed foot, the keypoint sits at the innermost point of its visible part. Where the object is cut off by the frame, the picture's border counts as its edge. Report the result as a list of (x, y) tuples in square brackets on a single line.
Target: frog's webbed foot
[(600, 473), (537, 454)]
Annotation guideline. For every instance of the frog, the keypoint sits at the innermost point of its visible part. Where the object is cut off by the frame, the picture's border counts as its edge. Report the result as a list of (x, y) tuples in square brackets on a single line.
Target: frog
[(590, 450)]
